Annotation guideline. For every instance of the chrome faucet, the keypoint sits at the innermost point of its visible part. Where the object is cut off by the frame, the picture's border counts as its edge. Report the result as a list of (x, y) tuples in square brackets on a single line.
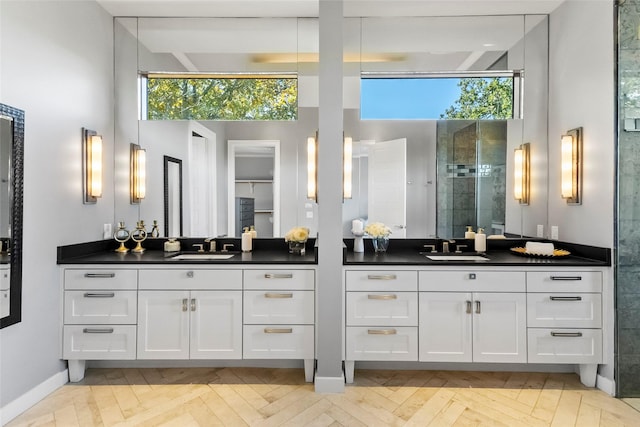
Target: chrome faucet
[(226, 246), (459, 248), (445, 245), (200, 247), (212, 244)]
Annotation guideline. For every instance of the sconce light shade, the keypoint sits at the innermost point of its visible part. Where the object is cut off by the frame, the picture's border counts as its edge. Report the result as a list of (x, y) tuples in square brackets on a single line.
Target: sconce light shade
[(522, 174), (312, 167), (138, 173), (91, 166), (347, 173), (571, 159)]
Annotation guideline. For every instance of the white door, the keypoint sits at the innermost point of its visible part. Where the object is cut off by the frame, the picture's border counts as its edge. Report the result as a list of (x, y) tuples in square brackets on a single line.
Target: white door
[(388, 185), (163, 325), (499, 327), (445, 327), (216, 324)]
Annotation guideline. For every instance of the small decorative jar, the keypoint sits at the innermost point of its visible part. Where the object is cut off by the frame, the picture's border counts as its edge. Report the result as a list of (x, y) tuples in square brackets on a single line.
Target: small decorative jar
[(380, 244)]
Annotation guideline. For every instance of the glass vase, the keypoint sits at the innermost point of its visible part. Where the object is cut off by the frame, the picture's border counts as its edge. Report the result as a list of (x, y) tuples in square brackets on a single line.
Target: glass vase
[(380, 244), (297, 248)]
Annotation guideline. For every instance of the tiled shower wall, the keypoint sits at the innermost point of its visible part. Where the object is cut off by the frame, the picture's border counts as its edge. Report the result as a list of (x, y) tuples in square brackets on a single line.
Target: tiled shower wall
[(628, 221)]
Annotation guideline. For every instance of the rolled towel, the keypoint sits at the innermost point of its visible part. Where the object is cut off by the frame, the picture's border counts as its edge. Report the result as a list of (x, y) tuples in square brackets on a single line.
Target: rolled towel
[(539, 248)]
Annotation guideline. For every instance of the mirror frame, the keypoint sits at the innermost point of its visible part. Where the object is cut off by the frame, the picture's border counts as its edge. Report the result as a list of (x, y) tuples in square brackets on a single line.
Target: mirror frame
[(167, 160), (17, 185)]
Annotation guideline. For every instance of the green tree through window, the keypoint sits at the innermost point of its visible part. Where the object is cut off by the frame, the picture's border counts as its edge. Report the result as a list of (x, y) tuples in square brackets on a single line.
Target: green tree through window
[(482, 98), (222, 98)]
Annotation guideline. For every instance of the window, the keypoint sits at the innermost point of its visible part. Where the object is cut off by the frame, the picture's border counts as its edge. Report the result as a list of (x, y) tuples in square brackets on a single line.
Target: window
[(215, 97), (439, 97)]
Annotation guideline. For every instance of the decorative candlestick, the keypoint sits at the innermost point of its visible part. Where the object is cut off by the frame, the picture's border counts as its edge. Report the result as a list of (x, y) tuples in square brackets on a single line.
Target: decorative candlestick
[(139, 235), (155, 231), (121, 236)]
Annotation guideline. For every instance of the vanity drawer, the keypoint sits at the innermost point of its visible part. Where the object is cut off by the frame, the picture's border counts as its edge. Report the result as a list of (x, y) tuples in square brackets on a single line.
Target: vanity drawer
[(382, 308), (398, 281), (278, 342), (565, 281), (279, 307), (580, 346), (472, 281), (99, 342), (194, 279), (279, 279), (388, 343), (100, 279), (100, 307), (564, 310)]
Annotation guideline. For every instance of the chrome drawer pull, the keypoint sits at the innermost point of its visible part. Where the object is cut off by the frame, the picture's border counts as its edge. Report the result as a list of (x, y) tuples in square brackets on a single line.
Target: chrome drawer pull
[(190, 274), (478, 307), (472, 276), (99, 295), (565, 298), (97, 330), (382, 332), (566, 277), (383, 297), (277, 295), (193, 304), (278, 330), (278, 276), (382, 277), (468, 307), (99, 275), (185, 302), (566, 334)]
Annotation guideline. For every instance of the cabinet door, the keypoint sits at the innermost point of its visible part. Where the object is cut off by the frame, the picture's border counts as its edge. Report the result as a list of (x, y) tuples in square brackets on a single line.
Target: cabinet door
[(163, 325), (216, 324), (499, 327), (445, 327)]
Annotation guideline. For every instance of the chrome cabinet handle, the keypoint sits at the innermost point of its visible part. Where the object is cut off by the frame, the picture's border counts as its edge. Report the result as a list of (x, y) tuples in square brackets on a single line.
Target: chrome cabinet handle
[(277, 295), (97, 330), (566, 334), (472, 276), (382, 297), (552, 298), (185, 301), (468, 307), (566, 277), (278, 330), (193, 304), (190, 274), (382, 332), (99, 294), (478, 307), (99, 275), (382, 277), (278, 276)]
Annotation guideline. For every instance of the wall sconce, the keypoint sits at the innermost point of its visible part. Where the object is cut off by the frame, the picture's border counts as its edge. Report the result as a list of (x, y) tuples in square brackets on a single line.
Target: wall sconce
[(521, 173), (571, 159), (312, 167), (138, 173), (91, 166), (347, 171)]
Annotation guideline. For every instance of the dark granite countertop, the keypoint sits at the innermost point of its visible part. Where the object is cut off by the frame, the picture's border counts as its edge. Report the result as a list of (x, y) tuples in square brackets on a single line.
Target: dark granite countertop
[(265, 251), (412, 252)]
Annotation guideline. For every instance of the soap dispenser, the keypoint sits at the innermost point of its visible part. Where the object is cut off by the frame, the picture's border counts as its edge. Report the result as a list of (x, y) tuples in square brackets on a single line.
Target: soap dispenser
[(253, 232), (480, 243), (469, 234), (246, 240)]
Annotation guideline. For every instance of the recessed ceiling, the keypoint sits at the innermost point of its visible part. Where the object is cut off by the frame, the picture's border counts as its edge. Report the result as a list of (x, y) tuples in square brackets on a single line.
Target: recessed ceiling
[(309, 8)]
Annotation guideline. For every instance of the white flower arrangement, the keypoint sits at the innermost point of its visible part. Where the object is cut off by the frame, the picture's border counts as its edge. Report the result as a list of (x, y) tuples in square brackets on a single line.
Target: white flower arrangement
[(377, 229), (297, 234)]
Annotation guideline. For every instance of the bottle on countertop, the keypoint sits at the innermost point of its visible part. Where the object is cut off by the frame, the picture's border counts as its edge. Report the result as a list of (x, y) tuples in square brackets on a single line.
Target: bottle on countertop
[(480, 243), (253, 232), (172, 245), (246, 240), (469, 234)]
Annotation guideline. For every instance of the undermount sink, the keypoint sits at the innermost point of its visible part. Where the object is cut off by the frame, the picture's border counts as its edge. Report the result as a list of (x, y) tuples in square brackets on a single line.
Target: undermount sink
[(454, 257), (202, 257)]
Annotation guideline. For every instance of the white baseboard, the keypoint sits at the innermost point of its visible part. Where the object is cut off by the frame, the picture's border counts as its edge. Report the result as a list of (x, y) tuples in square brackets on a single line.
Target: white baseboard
[(33, 396), (606, 385), (329, 384)]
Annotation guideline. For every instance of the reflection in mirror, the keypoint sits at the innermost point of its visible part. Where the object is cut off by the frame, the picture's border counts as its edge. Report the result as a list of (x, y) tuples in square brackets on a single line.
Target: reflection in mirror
[(172, 197), (11, 188)]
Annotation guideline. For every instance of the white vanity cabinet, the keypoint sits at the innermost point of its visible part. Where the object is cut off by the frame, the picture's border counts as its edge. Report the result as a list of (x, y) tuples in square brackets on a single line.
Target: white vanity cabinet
[(472, 316), (100, 315), (190, 314), (279, 315)]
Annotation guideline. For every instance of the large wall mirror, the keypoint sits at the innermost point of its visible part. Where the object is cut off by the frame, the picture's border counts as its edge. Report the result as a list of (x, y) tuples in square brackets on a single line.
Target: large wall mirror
[(11, 187), (373, 46)]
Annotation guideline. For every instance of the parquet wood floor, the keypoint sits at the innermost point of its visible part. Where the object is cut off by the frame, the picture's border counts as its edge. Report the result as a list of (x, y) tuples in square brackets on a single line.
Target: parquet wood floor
[(280, 397)]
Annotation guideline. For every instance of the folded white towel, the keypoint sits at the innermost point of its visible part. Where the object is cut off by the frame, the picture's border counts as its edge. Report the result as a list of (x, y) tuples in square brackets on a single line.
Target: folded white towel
[(539, 248)]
